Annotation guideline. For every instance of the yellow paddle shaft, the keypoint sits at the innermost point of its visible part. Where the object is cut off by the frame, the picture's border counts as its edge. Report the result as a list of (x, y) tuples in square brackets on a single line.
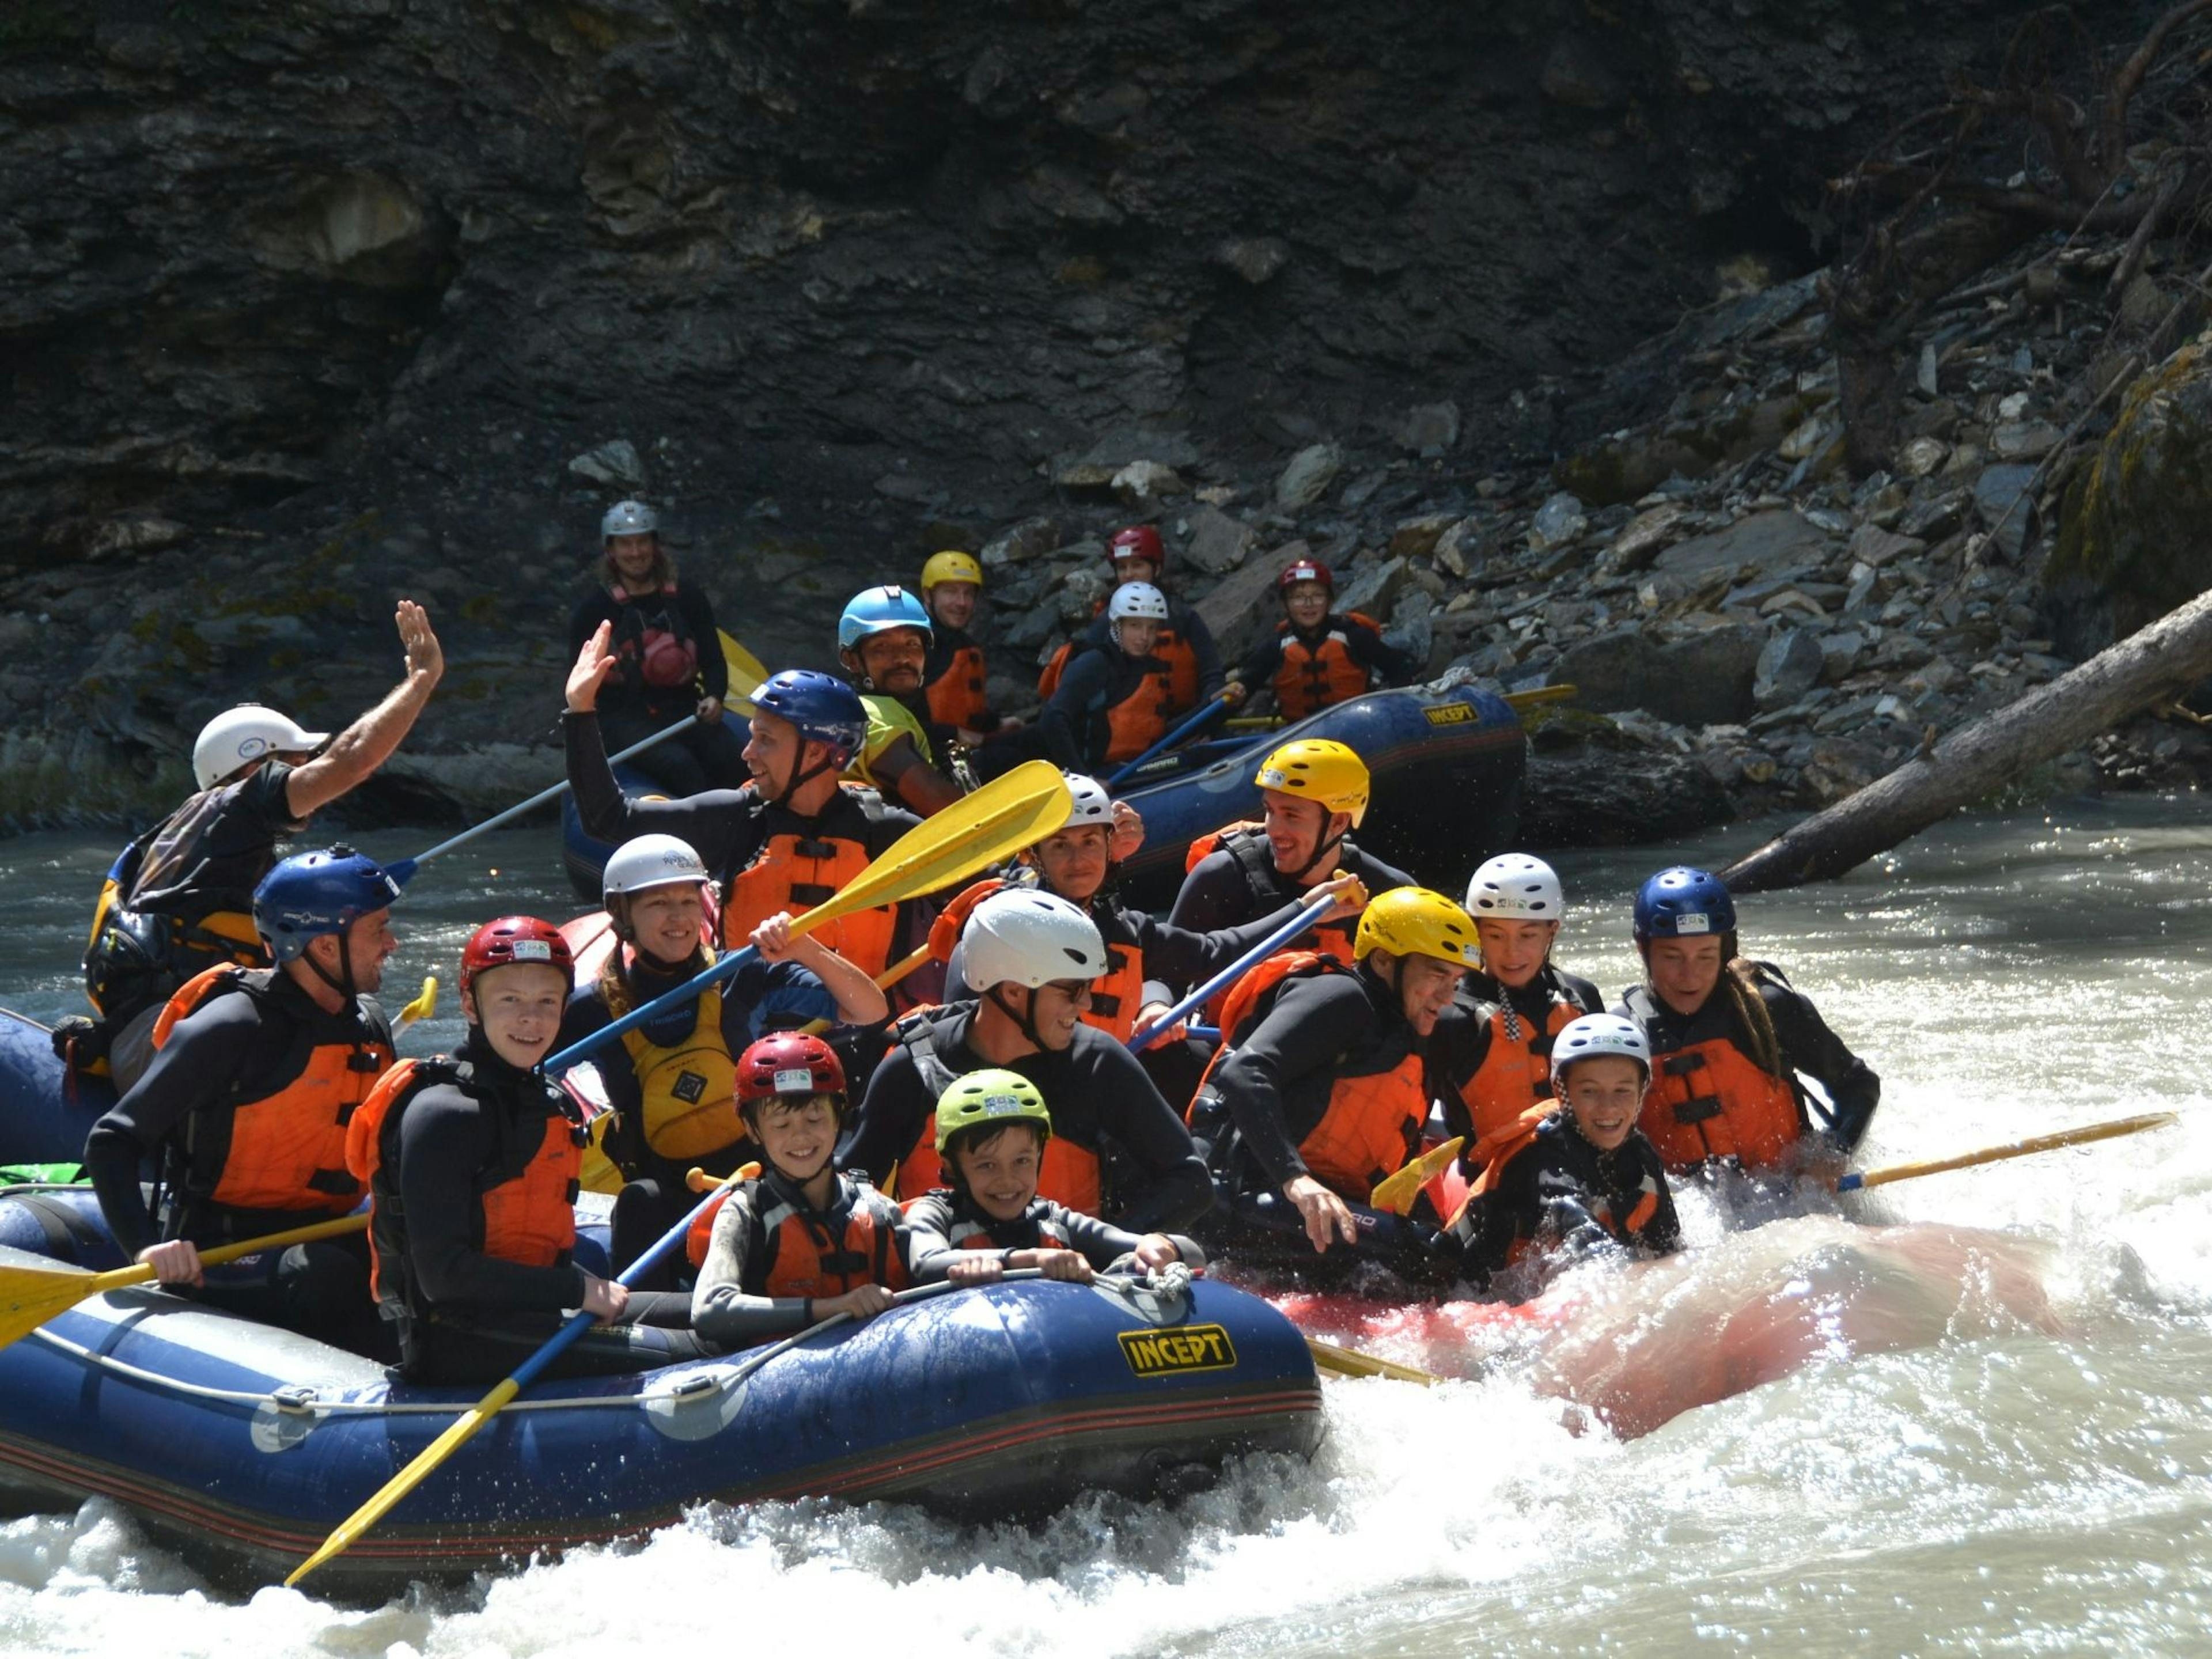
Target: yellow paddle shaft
[(2108, 1131), (1350, 1362), (119, 1277)]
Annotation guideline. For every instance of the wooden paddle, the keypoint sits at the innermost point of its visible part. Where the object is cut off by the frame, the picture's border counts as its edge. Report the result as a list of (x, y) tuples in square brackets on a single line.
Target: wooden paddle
[(29, 1296), (2105, 1131), (1026, 804), (1350, 1362)]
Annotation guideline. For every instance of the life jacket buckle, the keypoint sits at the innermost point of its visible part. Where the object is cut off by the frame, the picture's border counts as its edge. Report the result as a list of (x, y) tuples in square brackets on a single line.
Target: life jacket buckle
[(1682, 1064), (1697, 1109)]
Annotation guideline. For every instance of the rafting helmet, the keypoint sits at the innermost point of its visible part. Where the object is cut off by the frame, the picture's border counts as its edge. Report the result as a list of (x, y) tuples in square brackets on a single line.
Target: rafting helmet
[(1513, 887), (789, 1065), (1139, 541), (651, 861), (1681, 904), (1413, 922), (1319, 769), (511, 939), (1136, 601), (1305, 570), (1090, 802), (988, 1100), (950, 566), (313, 895), (1030, 939), (629, 519), (1593, 1034), (823, 707), (878, 610), (239, 736)]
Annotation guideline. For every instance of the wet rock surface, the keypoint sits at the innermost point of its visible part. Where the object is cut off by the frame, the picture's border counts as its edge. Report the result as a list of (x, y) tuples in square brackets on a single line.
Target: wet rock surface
[(307, 307)]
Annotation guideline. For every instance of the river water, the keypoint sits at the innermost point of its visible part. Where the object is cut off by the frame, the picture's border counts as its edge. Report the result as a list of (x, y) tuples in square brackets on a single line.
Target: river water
[(2004, 1485)]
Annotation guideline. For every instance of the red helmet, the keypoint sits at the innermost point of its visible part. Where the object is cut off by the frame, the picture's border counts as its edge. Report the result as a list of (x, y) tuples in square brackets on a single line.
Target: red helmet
[(788, 1063), (1139, 541), (1305, 570), (514, 938)]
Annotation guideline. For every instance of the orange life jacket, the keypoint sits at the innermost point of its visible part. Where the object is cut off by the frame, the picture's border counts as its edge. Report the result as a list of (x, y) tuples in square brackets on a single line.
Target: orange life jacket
[(1711, 1100), (1516, 1073), (956, 697), (1373, 1119), (528, 1209), (796, 1256), (1311, 678), (1140, 719), (286, 1151), (1068, 1174), (1169, 645), (796, 872), (1116, 996), (1490, 1155), (1246, 843)]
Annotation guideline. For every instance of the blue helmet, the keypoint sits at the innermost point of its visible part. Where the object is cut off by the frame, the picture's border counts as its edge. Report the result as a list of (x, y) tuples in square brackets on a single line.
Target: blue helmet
[(317, 894), (878, 610), (823, 707), (1682, 902)]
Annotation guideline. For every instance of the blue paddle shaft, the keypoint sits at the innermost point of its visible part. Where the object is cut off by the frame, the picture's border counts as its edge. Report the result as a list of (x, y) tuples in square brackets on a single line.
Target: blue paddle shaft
[(636, 1017), (1214, 706), (1851, 1182), (1308, 913)]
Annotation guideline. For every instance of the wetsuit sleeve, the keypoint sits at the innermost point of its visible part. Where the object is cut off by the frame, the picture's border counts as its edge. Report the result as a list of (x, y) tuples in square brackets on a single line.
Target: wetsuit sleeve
[(1099, 1243), (1213, 895), (721, 1311), (699, 617), (1257, 671), (190, 1071), (1379, 878), (1495, 1220), (593, 608), (1067, 713), (888, 1121), (1808, 1045), (1171, 1188), (1663, 1235), (1312, 1022), (442, 1138), (772, 996), (930, 1252), (1581, 993), (1183, 958), (711, 821), (1370, 651), (1211, 678)]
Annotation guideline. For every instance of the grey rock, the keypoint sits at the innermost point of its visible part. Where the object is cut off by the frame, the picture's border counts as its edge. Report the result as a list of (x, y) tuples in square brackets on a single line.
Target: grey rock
[(1142, 484), (2000, 504), (1241, 610), (1414, 538), (1937, 517), (1374, 588), (1032, 538), (1257, 260), (1309, 475), (1921, 455), (2024, 440), (1840, 652), (1559, 522), (1574, 75), (1789, 666), (1217, 543), (1429, 430), (1872, 545), (1413, 628), (1769, 542), (1455, 546), (1704, 680), (1640, 541), (615, 464)]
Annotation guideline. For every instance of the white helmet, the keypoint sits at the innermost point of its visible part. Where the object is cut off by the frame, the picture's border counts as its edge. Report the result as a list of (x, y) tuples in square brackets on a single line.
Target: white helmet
[(1030, 939), (629, 519), (1600, 1034), (1137, 599), (1514, 886), (1092, 803), (239, 736), (651, 861)]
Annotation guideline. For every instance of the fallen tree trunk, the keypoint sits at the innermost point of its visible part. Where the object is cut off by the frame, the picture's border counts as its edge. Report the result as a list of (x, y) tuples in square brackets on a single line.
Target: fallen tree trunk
[(2148, 667)]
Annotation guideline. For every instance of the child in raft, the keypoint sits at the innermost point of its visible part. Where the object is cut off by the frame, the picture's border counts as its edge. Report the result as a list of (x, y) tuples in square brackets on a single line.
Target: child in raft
[(991, 1127), (1569, 1178), (798, 1242)]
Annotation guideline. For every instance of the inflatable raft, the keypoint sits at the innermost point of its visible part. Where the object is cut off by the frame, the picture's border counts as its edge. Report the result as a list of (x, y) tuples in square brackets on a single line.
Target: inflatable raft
[(45, 1112), (1447, 761), (241, 1447)]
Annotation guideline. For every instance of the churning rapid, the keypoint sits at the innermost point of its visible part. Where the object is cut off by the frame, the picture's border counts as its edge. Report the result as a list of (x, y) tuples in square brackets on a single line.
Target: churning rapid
[(1993, 1445)]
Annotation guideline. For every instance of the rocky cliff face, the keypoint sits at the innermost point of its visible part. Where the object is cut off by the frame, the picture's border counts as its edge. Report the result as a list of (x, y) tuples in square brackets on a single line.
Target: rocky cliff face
[(306, 304)]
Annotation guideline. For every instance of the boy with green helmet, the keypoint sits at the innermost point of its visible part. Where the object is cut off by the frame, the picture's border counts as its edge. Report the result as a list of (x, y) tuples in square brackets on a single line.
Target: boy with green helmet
[(992, 1129)]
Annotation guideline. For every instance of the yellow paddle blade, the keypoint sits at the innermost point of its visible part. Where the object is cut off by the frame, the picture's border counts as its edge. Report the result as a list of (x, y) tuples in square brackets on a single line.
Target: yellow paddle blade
[(1397, 1191), (1535, 697), (2105, 1131), (746, 671), (1350, 1362), (407, 1480), (1006, 815), (423, 1007), (29, 1296)]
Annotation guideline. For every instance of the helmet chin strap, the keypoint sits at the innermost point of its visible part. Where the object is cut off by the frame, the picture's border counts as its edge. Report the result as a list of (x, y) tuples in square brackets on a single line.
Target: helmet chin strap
[(802, 774), (1025, 1022), (1324, 846)]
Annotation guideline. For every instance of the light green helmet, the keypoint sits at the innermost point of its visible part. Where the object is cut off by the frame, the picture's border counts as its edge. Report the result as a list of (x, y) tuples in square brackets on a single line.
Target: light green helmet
[(993, 1099)]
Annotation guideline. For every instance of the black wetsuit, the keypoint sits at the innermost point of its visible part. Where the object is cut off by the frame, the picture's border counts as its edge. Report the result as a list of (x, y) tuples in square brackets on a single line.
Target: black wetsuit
[(935, 1220), (1560, 1191)]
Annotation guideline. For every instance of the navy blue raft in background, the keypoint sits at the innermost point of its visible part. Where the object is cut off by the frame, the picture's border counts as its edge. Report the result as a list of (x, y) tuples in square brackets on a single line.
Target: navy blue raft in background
[(241, 1447)]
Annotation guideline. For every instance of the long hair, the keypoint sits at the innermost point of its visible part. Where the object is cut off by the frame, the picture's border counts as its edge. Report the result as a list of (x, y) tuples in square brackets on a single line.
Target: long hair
[(613, 982), (663, 573), (1742, 977)]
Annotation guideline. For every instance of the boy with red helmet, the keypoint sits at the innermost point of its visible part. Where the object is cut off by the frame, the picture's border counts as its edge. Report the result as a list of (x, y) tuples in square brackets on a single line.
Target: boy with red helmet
[(1315, 658)]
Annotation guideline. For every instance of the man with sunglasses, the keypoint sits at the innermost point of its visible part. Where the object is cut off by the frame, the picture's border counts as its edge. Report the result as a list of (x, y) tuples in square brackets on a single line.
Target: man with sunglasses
[(1117, 1150)]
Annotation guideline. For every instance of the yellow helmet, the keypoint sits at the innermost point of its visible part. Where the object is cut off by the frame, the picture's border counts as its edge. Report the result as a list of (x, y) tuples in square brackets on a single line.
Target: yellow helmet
[(1319, 769), (1413, 922), (950, 566)]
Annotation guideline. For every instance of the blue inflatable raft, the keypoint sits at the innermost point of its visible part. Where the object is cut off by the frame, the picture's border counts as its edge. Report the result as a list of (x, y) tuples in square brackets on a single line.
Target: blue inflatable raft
[(241, 1447), (1447, 763)]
